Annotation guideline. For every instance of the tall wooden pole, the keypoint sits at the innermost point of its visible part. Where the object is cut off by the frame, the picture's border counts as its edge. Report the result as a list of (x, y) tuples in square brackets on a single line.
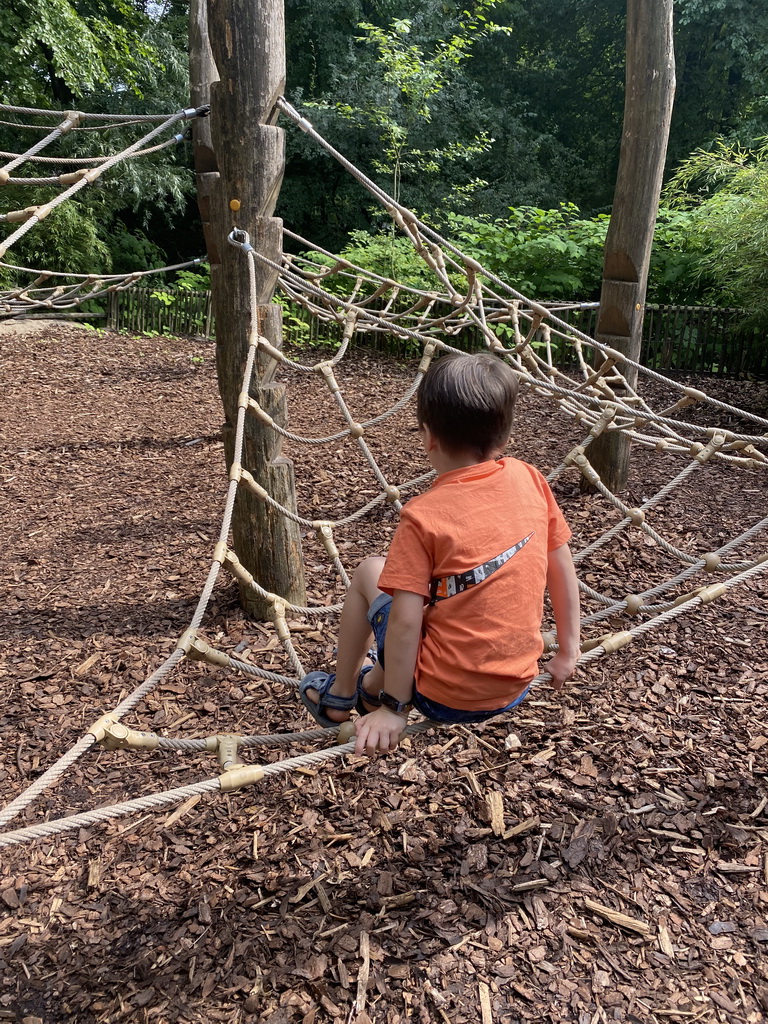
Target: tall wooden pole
[(650, 89), (239, 172)]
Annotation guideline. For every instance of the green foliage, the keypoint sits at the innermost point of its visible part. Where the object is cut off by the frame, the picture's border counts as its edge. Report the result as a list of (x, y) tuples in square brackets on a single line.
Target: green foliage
[(549, 254), (393, 257), (194, 280), (165, 298), (410, 79), (538, 106), (130, 251), (674, 275), (116, 56), (69, 49), (722, 54), (64, 241), (724, 193), (296, 329)]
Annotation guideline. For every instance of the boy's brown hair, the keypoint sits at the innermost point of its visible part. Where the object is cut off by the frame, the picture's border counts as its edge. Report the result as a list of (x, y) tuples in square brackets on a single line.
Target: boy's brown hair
[(468, 402)]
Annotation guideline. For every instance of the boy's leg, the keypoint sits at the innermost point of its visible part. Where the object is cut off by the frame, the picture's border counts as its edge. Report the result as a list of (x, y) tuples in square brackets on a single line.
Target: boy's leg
[(354, 633)]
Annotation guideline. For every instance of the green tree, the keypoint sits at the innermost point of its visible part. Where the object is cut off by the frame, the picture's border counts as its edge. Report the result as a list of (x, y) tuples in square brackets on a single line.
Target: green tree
[(398, 102), (722, 55), (413, 78), (724, 192), (111, 56), (549, 92), (54, 50)]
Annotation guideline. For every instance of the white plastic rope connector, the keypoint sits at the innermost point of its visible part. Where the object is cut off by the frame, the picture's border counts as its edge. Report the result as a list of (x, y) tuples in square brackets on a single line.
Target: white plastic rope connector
[(326, 369), (100, 727), (221, 552), (426, 359), (119, 737), (574, 454), (277, 613), (706, 451), (324, 530), (201, 651), (606, 416), (254, 408), (243, 775), (186, 640), (233, 565)]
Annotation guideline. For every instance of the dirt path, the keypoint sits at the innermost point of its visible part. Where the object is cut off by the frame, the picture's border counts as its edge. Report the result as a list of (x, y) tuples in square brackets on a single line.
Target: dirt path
[(460, 875)]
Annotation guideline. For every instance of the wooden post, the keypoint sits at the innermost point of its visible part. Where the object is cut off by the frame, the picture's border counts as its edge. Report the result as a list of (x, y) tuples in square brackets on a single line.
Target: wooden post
[(650, 89), (241, 163)]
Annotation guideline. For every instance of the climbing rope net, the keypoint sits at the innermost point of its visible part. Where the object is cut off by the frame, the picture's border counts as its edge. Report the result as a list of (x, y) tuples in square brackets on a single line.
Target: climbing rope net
[(599, 396), (44, 291)]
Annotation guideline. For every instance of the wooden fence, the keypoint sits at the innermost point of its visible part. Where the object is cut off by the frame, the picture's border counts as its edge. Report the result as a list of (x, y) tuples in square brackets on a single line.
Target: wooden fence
[(173, 311), (677, 339)]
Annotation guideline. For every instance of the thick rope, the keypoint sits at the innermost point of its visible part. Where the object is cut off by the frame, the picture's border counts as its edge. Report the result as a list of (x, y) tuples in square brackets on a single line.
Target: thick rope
[(154, 801), (86, 179), (6, 108), (414, 223)]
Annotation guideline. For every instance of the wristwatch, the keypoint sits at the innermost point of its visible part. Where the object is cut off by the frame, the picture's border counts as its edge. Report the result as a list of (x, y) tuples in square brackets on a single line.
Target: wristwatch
[(394, 705)]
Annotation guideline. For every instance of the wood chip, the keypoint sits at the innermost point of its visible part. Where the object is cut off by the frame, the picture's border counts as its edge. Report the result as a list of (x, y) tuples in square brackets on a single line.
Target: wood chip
[(486, 1012), (534, 883), (94, 873), (179, 813), (494, 801), (665, 943), (171, 914), (363, 974), (523, 826), (617, 918), (302, 892), (88, 663)]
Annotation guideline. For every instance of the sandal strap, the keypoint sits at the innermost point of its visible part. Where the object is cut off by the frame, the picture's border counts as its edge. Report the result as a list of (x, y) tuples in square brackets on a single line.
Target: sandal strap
[(361, 695), (330, 700)]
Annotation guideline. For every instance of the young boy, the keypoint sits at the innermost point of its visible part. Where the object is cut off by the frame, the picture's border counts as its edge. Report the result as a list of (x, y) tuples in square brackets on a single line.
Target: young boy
[(460, 595)]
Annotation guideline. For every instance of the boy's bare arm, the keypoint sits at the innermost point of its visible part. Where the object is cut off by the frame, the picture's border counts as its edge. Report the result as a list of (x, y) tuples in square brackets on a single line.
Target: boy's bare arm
[(564, 594), (380, 730)]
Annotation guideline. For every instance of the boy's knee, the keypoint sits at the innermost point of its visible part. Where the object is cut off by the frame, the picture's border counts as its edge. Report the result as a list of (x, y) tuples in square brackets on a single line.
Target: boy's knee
[(370, 568), (367, 573)]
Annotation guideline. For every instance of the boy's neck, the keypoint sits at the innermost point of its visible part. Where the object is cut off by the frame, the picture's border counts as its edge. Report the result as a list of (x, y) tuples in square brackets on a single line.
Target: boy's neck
[(443, 462)]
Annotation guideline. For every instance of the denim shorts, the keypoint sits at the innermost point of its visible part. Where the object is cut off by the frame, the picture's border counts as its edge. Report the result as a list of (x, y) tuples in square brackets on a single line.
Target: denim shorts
[(378, 616)]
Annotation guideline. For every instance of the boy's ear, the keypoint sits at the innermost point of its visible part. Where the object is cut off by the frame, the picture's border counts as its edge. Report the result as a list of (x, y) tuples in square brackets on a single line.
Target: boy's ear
[(429, 439)]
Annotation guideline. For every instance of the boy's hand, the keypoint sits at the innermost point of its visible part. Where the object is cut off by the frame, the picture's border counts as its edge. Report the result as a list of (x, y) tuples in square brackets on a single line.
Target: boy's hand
[(561, 668), (379, 731)]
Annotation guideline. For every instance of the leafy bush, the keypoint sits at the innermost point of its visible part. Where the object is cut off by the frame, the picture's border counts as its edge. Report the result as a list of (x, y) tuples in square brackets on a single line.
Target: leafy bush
[(546, 254), (724, 194), (67, 240)]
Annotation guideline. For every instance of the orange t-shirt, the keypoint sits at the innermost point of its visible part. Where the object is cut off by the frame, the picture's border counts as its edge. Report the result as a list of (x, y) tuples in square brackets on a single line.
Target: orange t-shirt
[(480, 647)]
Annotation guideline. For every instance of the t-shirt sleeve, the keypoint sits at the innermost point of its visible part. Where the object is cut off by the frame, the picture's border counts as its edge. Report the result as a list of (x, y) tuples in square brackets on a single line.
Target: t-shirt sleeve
[(558, 530), (409, 563)]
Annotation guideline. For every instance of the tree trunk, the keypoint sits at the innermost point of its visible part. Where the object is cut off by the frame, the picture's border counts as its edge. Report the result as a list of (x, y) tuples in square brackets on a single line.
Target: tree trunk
[(650, 89), (239, 171)]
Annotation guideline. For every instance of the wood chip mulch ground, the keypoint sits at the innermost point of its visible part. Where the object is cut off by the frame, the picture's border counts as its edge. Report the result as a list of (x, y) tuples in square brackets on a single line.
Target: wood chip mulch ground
[(600, 856)]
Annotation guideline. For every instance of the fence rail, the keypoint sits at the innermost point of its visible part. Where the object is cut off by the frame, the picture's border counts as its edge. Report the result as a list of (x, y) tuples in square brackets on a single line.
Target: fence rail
[(679, 339)]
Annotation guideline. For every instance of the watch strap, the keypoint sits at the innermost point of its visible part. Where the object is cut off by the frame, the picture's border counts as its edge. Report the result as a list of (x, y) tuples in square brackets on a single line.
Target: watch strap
[(393, 704)]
